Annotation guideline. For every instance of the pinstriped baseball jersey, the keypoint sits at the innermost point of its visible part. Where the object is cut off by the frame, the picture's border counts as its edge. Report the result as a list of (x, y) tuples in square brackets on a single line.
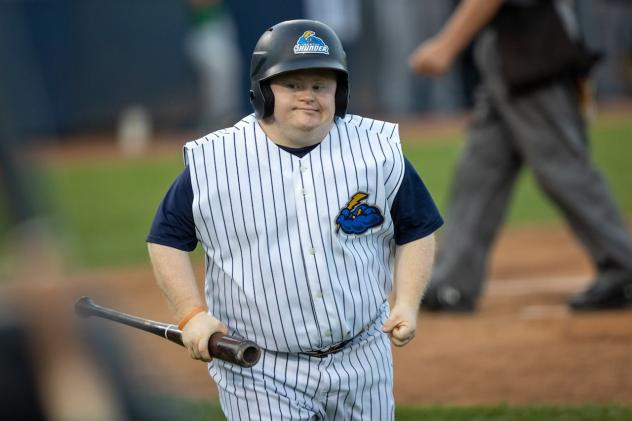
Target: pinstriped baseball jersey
[(299, 251)]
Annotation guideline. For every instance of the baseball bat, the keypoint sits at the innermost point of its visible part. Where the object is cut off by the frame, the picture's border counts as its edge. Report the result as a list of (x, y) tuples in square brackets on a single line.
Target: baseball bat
[(238, 351)]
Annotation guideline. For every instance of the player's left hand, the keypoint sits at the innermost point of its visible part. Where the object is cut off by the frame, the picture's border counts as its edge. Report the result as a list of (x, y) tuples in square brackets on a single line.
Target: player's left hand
[(401, 325)]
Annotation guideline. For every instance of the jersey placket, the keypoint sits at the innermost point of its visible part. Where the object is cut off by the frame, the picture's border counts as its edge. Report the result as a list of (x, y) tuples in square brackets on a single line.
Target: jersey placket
[(313, 257)]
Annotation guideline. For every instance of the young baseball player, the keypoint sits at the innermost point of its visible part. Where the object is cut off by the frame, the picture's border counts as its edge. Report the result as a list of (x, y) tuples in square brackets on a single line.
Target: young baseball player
[(308, 216)]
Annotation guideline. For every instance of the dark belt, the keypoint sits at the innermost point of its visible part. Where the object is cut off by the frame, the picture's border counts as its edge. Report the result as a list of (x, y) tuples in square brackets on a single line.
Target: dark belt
[(322, 353)]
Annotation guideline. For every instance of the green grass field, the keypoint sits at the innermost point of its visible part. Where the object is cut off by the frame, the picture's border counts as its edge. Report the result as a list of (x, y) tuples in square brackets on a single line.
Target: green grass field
[(105, 205), (206, 410), (611, 145)]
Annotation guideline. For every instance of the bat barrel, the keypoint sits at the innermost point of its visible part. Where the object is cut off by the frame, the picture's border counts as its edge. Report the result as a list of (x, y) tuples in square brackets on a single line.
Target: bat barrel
[(246, 353)]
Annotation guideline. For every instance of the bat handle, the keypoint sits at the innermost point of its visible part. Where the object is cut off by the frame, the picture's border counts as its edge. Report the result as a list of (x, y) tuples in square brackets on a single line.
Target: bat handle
[(234, 350), (242, 352), (174, 335)]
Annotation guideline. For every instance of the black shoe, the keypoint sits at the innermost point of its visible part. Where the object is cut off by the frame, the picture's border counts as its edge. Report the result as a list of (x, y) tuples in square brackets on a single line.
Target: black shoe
[(604, 295), (446, 299)]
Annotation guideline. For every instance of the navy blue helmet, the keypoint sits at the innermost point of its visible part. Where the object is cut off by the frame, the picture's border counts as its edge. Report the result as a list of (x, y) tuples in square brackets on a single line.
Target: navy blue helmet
[(296, 45)]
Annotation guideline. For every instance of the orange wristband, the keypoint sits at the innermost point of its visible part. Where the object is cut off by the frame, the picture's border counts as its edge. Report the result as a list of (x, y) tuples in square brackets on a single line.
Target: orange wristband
[(188, 317)]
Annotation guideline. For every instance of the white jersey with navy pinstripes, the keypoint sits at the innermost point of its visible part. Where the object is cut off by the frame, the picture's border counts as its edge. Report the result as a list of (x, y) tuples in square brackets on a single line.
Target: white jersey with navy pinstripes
[(299, 251)]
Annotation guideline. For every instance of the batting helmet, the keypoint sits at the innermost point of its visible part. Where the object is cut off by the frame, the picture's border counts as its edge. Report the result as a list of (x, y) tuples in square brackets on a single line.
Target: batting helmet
[(296, 45)]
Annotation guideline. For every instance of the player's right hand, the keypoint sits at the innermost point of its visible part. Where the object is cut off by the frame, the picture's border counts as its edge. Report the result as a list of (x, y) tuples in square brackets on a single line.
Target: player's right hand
[(197, 332)]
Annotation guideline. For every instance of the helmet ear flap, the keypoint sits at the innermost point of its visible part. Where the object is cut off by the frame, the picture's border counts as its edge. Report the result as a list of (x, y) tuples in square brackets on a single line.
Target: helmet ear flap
[(268, 99), (262, 99), (342, 95), (256, 101)]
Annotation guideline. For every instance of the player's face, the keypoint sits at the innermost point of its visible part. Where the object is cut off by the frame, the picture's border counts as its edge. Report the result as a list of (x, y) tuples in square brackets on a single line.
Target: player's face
[(304, 100)]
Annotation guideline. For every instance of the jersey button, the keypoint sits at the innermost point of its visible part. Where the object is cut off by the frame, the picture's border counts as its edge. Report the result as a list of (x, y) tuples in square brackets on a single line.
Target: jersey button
[(303, 168), (312, 251), (319, 294), (327, 333)]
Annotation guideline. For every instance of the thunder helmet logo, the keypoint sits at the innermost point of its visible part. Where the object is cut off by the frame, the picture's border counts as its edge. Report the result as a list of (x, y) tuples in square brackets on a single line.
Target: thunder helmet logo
[(357, 217), (309, 43)]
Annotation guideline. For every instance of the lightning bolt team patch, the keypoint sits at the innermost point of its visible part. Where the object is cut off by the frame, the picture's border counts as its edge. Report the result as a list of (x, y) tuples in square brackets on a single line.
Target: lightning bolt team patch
[(358, 217)]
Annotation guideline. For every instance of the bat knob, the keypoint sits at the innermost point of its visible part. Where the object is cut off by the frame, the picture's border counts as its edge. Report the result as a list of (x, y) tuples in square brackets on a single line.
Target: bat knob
[(83, 307)]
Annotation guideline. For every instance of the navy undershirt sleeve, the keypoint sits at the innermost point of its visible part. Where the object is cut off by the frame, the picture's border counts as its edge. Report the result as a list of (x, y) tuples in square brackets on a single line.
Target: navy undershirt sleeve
[(173, 224), (414, 213)]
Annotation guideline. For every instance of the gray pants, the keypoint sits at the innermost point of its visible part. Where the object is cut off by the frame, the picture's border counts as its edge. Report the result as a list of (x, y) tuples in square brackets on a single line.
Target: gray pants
[(544, 131)]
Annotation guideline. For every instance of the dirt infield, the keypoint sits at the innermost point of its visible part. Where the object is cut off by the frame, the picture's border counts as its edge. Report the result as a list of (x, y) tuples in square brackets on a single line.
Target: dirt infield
[(522, 346)]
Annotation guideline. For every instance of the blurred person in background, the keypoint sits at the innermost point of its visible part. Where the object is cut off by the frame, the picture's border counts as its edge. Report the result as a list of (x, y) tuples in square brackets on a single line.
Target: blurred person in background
[(251, 19), (26, 233), (212, 46), (348, 18), (343, 16), (401, 24), (528, 112), (49, 368), (17, 383)]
